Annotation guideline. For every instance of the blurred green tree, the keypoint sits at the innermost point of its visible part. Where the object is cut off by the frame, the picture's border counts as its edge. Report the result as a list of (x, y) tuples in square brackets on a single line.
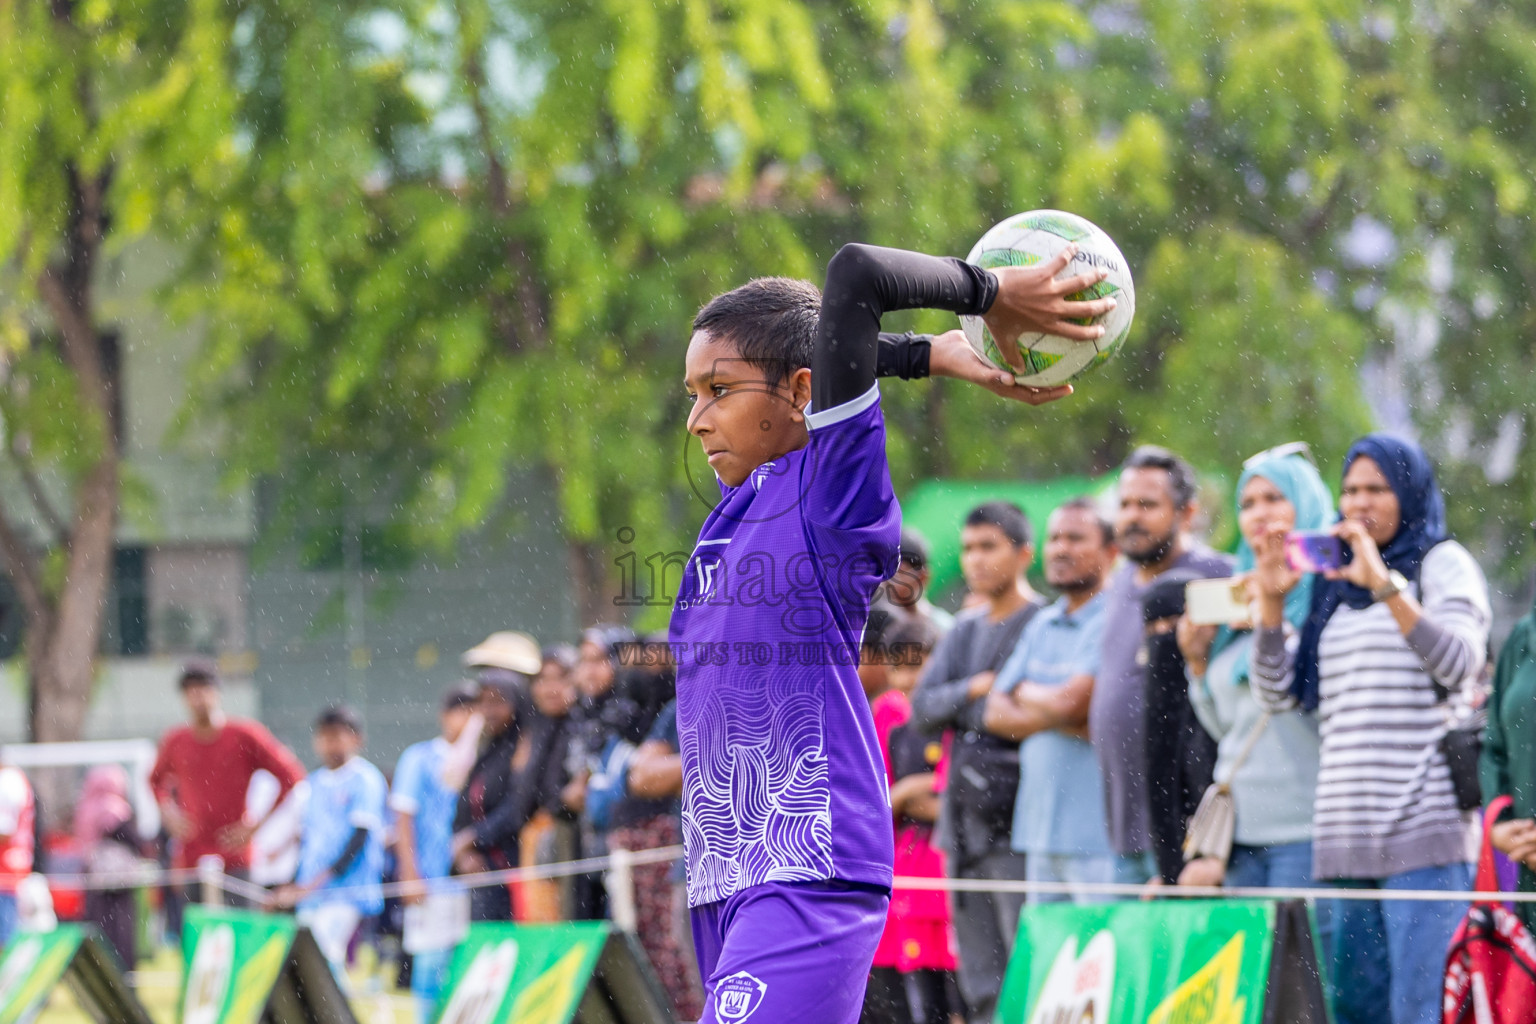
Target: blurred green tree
[(462, 240), (103, 107)]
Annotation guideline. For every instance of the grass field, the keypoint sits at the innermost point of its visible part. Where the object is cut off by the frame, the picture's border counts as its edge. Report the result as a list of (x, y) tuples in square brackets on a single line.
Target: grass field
[(374, 998)]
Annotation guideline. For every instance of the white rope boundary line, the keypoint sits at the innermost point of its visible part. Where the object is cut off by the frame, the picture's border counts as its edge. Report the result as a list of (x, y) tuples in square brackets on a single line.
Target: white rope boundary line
[(1166, 892), (667, 854), (145, 878), (154, 877)]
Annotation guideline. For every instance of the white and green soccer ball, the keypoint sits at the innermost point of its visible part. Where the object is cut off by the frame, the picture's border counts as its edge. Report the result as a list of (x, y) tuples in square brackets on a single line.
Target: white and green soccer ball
[(1029, 238)]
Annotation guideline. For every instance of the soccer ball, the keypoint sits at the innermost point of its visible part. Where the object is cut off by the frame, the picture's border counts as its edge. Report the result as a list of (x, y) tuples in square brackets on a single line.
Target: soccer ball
[(1028, 238)]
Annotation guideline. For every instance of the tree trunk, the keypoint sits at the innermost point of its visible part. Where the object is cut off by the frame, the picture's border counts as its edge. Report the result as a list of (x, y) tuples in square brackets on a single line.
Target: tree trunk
[(62, 571), (39, 629), (61, 651), (589, 580), (65, 666)]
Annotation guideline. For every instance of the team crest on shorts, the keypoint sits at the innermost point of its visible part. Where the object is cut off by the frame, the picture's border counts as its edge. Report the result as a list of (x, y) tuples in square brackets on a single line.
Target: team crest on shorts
[(738, 997)]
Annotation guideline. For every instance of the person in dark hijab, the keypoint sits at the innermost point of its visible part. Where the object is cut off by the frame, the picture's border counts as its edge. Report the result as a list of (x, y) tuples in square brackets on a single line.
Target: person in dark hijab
[(551, 836), (1180, 753), (490, 815), (602, 709), (1387, 465), (645, 820), (600, 660), (1388, 636)]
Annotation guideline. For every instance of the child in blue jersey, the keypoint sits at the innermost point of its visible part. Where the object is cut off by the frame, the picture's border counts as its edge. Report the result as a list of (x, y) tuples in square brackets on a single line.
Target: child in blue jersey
[(786, 818), (341, 848), (424, 799)]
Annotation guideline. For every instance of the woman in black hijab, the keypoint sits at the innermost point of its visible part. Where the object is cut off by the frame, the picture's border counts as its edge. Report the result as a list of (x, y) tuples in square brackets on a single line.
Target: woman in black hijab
[(492, 809), (601, 712)]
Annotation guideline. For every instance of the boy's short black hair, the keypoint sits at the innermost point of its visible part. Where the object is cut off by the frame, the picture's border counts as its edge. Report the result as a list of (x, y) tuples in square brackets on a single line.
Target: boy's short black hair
[(910, 640), (914, 548), (1006, 516), (339, 716), (872, 644), (198, 672), (1083, 503), (771, 321), (1181, 476)]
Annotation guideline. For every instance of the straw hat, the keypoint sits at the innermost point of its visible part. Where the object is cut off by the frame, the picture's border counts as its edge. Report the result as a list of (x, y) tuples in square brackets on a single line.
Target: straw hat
[(515, 652)]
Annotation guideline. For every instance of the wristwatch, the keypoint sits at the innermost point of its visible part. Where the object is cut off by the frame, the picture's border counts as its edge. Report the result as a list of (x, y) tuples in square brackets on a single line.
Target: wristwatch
[(1396, 584)]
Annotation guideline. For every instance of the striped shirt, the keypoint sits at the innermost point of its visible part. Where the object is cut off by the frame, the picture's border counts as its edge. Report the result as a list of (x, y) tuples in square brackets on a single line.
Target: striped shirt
[(1384, 803)]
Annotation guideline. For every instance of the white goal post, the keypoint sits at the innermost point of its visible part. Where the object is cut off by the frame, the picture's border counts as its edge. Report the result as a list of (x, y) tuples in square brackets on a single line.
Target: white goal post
[(138, 756)]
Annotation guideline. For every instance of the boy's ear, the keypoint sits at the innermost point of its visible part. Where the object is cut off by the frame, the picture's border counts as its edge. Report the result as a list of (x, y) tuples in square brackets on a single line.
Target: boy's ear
[(800, 392)]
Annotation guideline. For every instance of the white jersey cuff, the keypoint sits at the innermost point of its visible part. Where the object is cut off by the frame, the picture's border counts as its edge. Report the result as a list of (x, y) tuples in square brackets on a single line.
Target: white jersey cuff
[(838, 413)]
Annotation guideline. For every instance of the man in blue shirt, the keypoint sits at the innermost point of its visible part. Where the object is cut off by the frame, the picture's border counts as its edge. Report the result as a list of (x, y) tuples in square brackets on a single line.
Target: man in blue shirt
[(341, 852), (424, 800), (1041, 699)]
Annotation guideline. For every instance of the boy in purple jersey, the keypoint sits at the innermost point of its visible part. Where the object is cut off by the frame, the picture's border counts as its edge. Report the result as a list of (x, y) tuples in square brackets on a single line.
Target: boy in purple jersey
[(786, 816)]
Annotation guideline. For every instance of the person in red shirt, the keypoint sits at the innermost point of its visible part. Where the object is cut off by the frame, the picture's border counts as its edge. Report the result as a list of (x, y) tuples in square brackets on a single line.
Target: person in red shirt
[(203, 770)]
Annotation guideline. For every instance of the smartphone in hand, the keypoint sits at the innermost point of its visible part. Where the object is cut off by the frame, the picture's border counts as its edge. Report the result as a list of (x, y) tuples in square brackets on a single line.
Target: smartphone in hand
[(1313, 551), (1220, 602)]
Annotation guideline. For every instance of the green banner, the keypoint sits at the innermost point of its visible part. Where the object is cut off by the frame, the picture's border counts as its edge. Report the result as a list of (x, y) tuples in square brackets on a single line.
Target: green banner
[(521, 974), (1163, 962), (32, 967), (35, 963), (233, 959)]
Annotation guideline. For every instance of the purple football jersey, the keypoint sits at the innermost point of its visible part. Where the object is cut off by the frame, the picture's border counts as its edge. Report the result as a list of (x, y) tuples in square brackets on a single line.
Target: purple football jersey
[(783, 780)]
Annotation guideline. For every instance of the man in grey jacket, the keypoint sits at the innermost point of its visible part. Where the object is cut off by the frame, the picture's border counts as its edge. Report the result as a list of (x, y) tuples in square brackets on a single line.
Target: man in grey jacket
[(977, 810)]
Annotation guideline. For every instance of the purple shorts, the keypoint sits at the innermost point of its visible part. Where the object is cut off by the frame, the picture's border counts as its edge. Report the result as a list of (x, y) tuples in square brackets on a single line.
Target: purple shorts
[(788, 951)]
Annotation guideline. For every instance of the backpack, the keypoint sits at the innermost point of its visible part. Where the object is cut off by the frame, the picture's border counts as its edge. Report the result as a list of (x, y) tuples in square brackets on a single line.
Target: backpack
[(1490, 970)]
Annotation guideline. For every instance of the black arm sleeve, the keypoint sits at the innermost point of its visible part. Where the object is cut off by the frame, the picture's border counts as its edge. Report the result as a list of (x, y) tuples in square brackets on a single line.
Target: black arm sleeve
[(349, 853), (864, 282), (903, 355)]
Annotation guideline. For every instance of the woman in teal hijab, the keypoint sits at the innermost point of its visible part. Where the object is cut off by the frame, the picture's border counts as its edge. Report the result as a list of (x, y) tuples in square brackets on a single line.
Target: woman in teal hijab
[(1272, 790)]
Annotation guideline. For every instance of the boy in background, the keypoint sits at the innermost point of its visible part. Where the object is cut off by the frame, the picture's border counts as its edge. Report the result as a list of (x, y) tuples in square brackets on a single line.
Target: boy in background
[(424, 799), (341, 854), (203, 772), (982, 781)]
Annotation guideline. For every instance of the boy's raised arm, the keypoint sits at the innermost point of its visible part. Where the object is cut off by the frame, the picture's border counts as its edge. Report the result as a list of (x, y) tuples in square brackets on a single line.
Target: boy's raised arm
[(864, 282)]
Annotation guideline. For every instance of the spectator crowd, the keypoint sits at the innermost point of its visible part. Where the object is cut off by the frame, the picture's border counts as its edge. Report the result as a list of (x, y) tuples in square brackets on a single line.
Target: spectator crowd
[(1084, 738)]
